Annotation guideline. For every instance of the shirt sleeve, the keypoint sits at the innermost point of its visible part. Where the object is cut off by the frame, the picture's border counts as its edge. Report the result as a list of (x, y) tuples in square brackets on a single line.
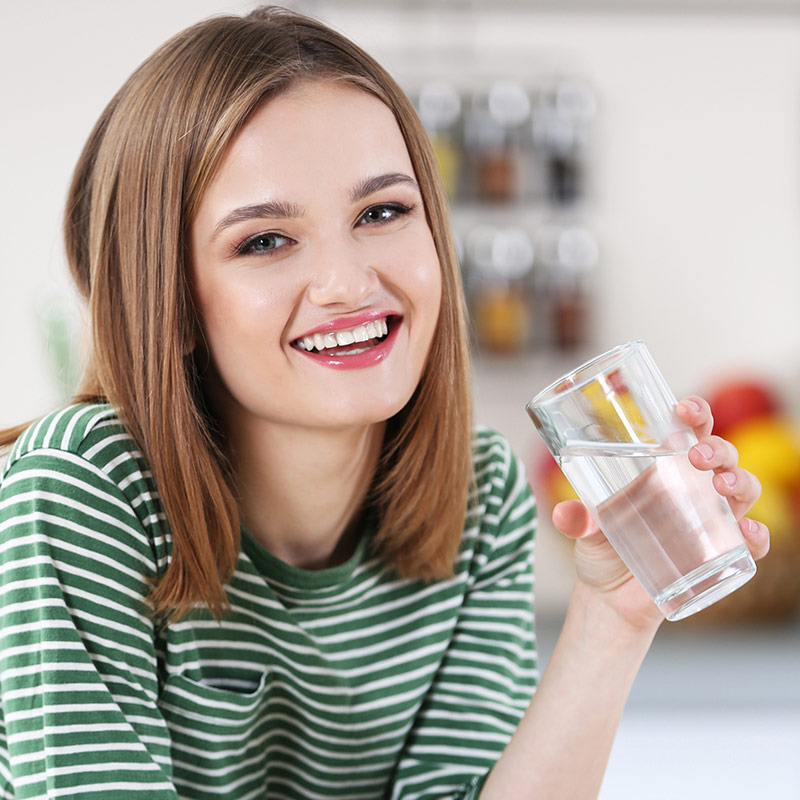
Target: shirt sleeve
[(489, 673), (78, 666)]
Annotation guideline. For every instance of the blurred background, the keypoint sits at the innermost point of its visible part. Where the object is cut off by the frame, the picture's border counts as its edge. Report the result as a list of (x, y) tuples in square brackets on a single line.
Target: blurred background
[(616, 169)]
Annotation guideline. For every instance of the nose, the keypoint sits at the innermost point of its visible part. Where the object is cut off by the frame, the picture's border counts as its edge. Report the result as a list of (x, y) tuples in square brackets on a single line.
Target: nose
[(343, 278)]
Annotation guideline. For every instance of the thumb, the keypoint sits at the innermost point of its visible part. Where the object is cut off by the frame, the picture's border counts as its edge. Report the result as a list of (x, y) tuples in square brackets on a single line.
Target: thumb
[(573, 519)]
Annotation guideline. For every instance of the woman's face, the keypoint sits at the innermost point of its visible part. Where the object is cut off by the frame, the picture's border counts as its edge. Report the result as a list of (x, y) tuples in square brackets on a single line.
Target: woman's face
[(313, 268)]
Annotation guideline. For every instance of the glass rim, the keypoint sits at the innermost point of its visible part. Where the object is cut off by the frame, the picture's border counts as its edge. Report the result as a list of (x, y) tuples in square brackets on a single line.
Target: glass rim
[(571, 379)]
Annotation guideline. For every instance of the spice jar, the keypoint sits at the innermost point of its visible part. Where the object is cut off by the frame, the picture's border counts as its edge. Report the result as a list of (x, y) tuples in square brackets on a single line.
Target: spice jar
[(559, 124), (439, 108), (495, 134), (569, 256), (500, 263)]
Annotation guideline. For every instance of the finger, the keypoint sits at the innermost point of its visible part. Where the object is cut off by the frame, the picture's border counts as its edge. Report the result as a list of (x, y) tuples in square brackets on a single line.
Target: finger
[(715, 453), (740, 488), (756, 534), (696, 413), (573, 519)]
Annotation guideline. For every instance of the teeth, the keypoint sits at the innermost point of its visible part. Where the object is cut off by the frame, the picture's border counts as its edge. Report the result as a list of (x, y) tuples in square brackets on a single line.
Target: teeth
[(361, 333), (345, 337)]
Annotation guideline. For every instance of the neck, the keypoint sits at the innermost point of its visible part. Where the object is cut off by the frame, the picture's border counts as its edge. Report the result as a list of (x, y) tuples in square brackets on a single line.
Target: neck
[(302, 490)]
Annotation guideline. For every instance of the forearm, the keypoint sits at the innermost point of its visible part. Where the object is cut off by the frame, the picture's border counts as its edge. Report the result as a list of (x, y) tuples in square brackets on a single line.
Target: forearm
[(561, 747)]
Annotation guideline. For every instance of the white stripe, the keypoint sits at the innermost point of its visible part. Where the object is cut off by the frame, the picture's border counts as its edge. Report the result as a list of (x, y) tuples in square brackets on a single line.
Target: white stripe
[(304, 707), (54, 424), (28, 583), (50, 730), (92, 534), (54, 772), (100, 576), (477, 696), (525, 507), (113, 786), (442, 750), (53, 710), (103, 443), (88, 489), (76, 666), (39, 582), (346, 673), (372, 650), (396, 607), (460, 716), (97, 415), (209, 790), (357, 735), (34, 434), (82, 749), (292, 680)]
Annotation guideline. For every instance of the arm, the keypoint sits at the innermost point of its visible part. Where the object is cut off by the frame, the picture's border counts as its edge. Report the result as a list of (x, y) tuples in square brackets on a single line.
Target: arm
[(78, 676), (562, 745)]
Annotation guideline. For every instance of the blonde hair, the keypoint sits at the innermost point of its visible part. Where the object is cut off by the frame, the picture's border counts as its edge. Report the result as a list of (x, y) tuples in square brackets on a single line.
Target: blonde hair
[(135, 190)]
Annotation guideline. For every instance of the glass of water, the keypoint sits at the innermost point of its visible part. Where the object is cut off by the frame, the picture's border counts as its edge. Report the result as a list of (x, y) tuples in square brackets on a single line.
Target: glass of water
[(612, 427)]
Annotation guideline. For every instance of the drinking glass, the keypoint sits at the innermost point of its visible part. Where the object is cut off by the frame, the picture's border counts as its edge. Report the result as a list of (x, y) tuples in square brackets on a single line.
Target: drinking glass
[(612, 426)]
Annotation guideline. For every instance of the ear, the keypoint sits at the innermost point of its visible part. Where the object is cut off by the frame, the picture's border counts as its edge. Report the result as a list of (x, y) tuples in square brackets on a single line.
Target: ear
[(189, 343)]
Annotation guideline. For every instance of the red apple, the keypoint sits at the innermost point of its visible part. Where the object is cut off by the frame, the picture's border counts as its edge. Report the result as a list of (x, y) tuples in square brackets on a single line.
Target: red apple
[(738, 400)]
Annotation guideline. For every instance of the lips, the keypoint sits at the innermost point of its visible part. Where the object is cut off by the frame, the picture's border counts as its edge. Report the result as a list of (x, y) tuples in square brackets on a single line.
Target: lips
[(366, 334), (348, 345)]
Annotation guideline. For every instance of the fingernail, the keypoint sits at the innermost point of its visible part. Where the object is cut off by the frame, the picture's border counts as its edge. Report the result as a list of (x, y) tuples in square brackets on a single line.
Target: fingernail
[(705, 451), (752, 526), (728, 477), (693, 405)]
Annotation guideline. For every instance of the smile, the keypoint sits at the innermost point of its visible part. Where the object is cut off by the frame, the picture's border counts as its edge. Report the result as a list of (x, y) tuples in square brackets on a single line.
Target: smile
[(342, 342), (357, 347)]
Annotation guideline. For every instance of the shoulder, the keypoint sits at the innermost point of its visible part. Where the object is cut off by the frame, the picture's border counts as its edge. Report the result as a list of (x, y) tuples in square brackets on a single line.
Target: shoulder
[(88, 436), (501, 520), (498, 470), (85, 439), (84, 452), (73, 429), (491, 452), (71, 512)]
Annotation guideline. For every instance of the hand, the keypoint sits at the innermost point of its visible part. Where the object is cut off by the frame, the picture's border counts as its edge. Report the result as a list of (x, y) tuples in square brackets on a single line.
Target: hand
[(599, 567)]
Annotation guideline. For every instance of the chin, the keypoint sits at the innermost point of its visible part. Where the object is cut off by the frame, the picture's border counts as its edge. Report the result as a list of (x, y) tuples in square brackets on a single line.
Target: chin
[(367, 410)]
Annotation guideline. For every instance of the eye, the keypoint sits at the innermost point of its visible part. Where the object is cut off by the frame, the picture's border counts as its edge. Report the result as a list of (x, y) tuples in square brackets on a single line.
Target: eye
[(262, 243), (383, 213)]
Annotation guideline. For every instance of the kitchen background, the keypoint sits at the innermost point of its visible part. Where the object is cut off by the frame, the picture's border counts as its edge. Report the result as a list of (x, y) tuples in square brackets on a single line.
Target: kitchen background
[(617, 170)]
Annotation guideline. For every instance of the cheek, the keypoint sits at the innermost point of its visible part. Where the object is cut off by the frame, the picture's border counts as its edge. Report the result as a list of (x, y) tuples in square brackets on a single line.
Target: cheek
[(428, 283), (417, 273), (234, 308)]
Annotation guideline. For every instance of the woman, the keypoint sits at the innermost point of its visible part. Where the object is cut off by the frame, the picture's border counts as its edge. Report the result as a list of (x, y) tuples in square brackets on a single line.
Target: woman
[(264, 554)]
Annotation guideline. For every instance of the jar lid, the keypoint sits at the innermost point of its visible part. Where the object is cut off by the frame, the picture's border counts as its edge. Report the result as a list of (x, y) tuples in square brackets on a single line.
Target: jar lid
[(439, 105)]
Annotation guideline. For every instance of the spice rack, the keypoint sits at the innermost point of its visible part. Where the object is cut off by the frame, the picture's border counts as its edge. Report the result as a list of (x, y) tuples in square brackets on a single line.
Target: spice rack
[(515, 166)]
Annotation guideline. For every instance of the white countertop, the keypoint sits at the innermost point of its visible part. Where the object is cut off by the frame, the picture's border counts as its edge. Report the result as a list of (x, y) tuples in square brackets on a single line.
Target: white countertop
[(713, 715)]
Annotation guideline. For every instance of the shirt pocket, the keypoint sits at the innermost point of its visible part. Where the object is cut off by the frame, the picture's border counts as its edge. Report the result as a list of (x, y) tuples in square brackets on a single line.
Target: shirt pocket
[(218, 737), (195, 710)]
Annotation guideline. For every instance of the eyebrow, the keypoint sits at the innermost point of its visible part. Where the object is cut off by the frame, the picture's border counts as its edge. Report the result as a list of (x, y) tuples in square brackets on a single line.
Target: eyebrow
[(272, 209), (378, 182), (278, 209)]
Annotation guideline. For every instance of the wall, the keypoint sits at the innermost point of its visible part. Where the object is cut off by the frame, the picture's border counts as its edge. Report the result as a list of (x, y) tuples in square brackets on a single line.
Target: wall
[(696, 196), (696, 191)]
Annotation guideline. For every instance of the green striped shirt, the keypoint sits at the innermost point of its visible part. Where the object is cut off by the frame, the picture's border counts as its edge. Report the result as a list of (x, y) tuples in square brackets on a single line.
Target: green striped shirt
[(346, 682)]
